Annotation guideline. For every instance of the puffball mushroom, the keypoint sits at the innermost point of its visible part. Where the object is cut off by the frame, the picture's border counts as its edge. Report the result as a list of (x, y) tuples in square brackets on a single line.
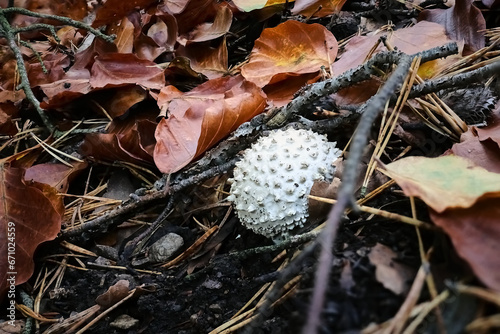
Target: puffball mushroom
[(273, 179)]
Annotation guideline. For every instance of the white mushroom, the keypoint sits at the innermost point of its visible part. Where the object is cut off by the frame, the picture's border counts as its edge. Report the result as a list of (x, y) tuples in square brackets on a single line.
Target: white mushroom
[(271, 182)]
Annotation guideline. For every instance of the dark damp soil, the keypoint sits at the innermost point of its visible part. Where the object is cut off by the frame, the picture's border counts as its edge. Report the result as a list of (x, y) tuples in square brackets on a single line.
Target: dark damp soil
[(198, 303)]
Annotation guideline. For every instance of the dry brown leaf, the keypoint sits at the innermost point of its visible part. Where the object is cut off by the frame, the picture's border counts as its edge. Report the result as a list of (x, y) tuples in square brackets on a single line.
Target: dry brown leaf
[(463, 22), (114, 294), (118, 69), (475, 233), (424, 35), (211, 62), (56, 175), (130, 140), (30, 213), (124, 32), (198, 119), (208, 31), (484, 153), (291, 48), (392, 275), (113, 10)]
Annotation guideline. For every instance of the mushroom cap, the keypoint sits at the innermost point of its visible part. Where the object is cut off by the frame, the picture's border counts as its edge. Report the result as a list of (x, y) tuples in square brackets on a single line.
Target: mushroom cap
[(273, 179)]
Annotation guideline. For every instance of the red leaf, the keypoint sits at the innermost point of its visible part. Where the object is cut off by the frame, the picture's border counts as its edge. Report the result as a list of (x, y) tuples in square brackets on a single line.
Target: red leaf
[(197, 120), (32, 212)]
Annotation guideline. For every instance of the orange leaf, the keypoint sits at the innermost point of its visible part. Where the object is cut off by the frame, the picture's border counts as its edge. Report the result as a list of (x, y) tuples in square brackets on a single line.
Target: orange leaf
[(290, 48), (197, 120)]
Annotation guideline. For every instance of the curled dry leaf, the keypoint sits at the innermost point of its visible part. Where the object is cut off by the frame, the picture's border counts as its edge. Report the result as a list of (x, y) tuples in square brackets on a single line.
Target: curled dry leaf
[(463, 22), (114, 294), (194, 13), (211, 62), (130, 140), (30, 213), (444, 182), (291, 48), (208, 31), (197, 120), (391, 274)]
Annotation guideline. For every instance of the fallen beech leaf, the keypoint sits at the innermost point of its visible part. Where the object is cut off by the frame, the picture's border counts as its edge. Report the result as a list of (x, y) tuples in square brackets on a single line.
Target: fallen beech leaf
[(30, 213), (317, 8), (55, 63), (195, 12), (444, 182), (118, 69), (124, 32), (475, 232), (56, 175), (118, 102), (113, 10), (463, 22), (290, 48), (198, 119), (485, 153), (129, 140), (281, 94), (63, 91), (211, 62), (208, 31), (422, 36), (392, 275)]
